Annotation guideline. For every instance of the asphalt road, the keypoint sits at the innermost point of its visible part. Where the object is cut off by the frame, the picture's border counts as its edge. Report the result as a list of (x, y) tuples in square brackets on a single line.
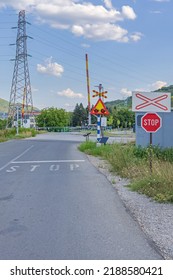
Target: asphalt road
[(54, 204)]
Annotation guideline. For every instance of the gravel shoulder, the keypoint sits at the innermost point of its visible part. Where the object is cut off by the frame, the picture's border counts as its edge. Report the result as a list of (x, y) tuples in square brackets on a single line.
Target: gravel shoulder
[(155, 219)]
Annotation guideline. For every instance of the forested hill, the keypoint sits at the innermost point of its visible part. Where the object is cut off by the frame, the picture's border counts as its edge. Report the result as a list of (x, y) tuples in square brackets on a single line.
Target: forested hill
[(119, 103), (166, 89), (3, 105)]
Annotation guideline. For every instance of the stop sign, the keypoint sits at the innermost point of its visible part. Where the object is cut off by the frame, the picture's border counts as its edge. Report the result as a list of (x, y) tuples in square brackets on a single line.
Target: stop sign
[(151, 122)]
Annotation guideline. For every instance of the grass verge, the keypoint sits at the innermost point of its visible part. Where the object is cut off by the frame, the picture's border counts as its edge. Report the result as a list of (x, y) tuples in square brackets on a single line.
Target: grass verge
[(133, 162), (8, 134)]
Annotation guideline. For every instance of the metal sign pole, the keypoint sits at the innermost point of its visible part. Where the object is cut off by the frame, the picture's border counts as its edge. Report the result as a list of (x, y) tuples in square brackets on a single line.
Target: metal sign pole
[(98, 127), (100, 95), (151, 142)]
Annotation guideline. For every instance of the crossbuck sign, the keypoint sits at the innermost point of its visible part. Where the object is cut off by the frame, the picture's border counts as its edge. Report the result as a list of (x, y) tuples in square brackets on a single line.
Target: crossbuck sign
[(151, 101)]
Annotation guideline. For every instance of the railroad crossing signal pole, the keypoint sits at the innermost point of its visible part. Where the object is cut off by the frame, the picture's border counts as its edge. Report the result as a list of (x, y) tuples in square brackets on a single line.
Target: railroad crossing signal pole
[(100, 94), (100, 117)]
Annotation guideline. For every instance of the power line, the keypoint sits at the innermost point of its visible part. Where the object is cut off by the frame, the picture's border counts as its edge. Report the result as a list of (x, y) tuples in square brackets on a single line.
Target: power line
[(76, 55)]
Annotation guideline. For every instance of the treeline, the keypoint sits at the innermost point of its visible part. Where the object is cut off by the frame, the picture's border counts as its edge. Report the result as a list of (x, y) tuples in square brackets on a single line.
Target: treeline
[(53, 117)]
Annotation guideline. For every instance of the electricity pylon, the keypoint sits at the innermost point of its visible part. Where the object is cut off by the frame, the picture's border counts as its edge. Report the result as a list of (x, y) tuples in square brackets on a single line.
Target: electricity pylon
[(21, 95)]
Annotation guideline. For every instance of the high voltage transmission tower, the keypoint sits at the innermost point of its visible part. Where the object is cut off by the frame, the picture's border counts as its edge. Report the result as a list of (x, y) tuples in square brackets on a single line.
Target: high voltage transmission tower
[(21, 104)]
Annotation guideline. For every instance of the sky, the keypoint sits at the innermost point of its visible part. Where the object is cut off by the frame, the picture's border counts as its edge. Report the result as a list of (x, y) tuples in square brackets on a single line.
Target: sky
[(129, 45)]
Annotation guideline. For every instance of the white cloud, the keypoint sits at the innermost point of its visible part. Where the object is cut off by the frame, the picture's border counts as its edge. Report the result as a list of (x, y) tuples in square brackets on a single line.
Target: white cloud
[(70, 93), (17, 5), (79, 17), (136, 36), (85, 45), (35, 89), (155, 12), (152, 87), (101, 32), (69, 107), (161, 0), (108, 4), (125, 92), (141, 89), (128, 12), (50, 68), (69, 12), (157, 85)]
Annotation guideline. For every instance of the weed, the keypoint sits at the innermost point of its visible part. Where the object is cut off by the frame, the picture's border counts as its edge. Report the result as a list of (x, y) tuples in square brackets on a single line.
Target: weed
[(132, 162), (10, 133)]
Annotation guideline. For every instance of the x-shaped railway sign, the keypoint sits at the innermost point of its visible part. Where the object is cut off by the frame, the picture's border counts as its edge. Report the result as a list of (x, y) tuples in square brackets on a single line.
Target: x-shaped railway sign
[(100, 93), (148, 101), (151, 101)]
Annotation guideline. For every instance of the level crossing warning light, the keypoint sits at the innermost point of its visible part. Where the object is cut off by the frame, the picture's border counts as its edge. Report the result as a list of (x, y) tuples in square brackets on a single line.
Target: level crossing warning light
[(100, 94)]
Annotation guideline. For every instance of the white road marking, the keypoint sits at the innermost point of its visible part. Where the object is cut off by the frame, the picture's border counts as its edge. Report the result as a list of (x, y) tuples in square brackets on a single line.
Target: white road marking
[(33, 167), (73, 166), (48, 161), (12, 169), (54, 167), (14, 159)]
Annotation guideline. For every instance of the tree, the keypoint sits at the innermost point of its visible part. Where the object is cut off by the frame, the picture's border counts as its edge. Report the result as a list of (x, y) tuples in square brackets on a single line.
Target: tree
[(110, 120), (79, 115), (52, 117), (123, 118)]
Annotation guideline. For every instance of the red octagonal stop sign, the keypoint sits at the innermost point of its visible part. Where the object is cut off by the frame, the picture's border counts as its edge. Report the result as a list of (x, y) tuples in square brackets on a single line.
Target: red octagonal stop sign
[(151, 122)]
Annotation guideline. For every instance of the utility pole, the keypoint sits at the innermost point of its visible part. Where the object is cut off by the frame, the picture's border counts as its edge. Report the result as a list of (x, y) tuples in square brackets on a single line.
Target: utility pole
[(21, 86), (88, 90)]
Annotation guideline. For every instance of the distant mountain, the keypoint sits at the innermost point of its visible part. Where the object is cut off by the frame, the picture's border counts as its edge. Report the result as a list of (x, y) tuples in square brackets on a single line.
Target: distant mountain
[(167, 89), (120, 103), (3, 105)]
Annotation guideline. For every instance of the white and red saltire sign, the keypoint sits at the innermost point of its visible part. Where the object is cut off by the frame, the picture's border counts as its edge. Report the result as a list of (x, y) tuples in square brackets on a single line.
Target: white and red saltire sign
[(151, 101)]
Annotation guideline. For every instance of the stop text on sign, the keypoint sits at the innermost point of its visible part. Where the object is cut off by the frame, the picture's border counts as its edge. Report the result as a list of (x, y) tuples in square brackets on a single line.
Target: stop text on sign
[(151, 122)]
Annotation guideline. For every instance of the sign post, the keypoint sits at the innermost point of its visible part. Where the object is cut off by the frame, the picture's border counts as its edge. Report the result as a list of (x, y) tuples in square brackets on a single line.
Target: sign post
[(151, 102), (151, 122), (99, 110)]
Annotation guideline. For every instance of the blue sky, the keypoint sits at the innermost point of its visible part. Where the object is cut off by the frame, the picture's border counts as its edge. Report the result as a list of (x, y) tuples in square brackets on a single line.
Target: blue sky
[(129, 45)]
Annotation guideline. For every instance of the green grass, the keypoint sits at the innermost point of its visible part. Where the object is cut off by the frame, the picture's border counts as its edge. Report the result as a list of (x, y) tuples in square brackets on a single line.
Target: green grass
[(133, 162), (8, 134)]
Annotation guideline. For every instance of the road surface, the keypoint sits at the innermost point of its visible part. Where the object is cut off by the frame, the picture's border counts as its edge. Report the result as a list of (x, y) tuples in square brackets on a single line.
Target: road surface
[(54, 204)]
